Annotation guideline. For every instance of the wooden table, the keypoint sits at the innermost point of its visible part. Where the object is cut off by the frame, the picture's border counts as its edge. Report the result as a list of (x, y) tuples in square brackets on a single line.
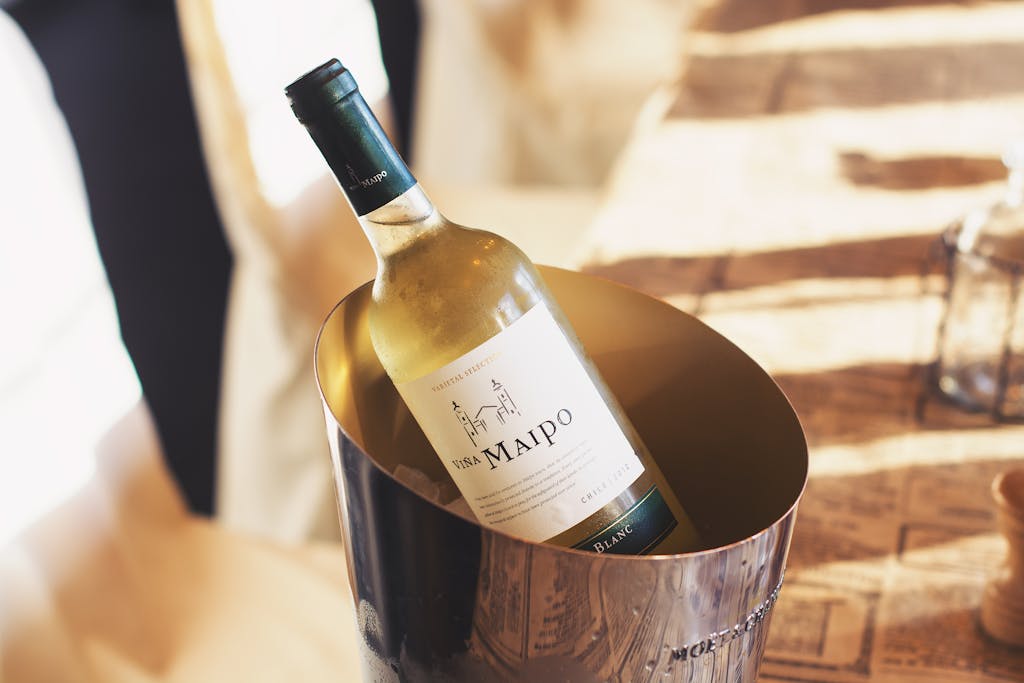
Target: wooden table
[(789, 190)]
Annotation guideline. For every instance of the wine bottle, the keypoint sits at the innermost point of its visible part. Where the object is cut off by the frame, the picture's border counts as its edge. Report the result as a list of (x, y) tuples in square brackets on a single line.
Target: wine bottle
[(484, 358)]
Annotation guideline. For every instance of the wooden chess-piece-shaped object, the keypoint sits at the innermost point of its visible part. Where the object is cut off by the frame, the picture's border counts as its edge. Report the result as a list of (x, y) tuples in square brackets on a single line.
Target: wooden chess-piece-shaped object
[(1002, 606)]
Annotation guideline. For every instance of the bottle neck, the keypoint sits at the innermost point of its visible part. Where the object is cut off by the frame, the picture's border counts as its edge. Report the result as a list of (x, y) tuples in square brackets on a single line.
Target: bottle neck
[(365, 163), (392, 208), (397, 224)]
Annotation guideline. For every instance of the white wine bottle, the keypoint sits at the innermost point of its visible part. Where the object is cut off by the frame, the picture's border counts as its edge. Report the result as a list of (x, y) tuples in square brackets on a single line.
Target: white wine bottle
[(484, 358)]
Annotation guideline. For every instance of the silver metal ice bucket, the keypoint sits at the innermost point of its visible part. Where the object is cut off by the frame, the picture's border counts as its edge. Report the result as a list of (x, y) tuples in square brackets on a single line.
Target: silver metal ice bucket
[(440, 598)]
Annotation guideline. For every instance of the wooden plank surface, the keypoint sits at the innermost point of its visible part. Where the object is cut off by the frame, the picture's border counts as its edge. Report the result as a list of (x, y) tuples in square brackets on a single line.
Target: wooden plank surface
[(790, 190)]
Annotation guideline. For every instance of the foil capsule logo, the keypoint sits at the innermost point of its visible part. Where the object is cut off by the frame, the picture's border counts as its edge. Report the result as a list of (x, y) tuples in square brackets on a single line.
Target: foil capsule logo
[(358, 182)]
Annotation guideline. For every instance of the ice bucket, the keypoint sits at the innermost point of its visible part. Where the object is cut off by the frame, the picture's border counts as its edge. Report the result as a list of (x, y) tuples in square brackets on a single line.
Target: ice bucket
[(439, 598)]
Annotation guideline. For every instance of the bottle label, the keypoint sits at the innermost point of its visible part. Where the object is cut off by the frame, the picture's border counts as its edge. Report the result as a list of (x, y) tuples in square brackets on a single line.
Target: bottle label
[(523, 431)]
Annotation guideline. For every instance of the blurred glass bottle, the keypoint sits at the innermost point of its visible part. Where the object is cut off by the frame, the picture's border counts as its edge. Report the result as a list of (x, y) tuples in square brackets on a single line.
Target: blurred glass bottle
[(981, 342)]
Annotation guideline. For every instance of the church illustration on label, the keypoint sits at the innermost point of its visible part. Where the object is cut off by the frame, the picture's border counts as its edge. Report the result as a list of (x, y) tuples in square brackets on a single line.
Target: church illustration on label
[(475, 423)]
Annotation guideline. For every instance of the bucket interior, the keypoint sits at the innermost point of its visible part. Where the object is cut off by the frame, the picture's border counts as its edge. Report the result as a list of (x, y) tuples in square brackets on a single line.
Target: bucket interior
[(721, 430)]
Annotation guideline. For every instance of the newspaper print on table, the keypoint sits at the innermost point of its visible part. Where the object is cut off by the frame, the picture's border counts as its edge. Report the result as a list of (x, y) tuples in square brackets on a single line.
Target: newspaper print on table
[(898, 598)]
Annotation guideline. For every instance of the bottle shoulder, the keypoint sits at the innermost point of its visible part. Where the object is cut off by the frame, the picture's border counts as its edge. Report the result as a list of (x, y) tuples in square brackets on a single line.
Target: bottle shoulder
[(452, 256), (446, 294)]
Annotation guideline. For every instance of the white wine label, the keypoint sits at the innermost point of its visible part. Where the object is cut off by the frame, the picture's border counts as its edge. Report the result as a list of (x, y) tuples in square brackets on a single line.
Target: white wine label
[(523, 431)]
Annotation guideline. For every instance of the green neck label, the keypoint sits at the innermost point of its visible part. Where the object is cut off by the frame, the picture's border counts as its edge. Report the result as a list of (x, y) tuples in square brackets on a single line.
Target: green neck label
[(364, 161)]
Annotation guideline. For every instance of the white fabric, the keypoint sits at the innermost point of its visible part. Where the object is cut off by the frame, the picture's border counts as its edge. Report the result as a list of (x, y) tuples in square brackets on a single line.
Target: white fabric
[(297, 248), (65, 376), (539, 91)]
